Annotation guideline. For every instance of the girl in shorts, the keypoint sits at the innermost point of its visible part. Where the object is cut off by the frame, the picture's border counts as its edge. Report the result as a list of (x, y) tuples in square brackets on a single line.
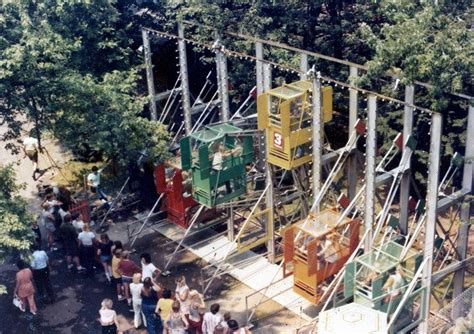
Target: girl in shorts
[(104, 250)]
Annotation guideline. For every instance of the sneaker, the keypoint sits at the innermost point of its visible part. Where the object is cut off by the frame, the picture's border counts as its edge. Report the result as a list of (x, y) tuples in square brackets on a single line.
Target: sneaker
[(33, 313), (80, 268), (165, 273), (120, 298)]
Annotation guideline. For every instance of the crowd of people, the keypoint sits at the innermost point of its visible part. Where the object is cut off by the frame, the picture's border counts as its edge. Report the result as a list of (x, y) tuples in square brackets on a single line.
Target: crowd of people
[(155, 306)]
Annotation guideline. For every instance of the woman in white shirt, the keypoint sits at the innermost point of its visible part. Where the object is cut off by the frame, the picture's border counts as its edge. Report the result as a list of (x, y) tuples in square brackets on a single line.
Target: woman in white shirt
[(86, 241), (135, 290), (182, 294), (108, 317)]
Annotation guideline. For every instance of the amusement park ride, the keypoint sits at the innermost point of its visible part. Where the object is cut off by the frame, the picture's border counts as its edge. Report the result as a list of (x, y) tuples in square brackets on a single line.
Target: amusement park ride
[(336, 243)]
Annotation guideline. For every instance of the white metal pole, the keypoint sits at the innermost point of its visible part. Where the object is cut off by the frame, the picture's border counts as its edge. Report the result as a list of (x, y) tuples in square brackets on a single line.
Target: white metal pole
[(183, 68), (149, 75), (371, 151), (317, 134), (467, 183), (430, 230)]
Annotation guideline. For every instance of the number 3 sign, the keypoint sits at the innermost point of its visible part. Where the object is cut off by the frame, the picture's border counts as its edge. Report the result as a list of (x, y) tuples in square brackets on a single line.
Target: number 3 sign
[(278, 140)]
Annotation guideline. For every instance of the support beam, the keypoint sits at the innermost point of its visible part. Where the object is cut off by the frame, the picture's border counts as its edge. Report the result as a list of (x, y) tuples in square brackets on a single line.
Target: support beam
[(261, 154), (230, 223), (270, 227), (259, 64), (317, 134), (405, 180), (449, 269), (371, 153), (304, 67), (183, 68), (431, 214), (149, 76), (222, 81), (463, 231), (352, 162), (267, 77)]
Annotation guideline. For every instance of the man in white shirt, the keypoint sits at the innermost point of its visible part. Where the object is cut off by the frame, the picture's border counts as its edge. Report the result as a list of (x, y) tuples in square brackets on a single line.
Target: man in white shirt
[(93, 181), (30, 150), (211, 319), (40, 266), (148, 268)]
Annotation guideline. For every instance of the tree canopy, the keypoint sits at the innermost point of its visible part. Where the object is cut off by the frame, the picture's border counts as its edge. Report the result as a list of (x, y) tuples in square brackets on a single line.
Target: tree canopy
[(16, 235), (69, 68)]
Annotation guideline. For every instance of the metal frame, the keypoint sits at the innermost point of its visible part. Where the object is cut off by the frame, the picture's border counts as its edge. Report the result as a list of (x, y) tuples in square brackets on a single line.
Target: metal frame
[(435, 206)]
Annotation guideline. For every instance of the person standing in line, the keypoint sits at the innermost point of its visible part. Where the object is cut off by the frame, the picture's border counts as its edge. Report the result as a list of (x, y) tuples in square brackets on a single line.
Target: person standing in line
[(196, 312), (182, 294), (40, 266), (149, 296), (127, 268), (77, 221), (86, 241), (36, 230), (211, 319), (108, 317), (69, 235), (24, 286), (30, 150), (176, 323), (47, 220), (136, 289), (222, 327), (148, 268), (104, 250), (116, 276), (163, 308)]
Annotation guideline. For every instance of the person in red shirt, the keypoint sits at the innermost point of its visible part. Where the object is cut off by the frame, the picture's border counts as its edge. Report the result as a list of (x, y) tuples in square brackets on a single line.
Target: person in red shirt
[(127, 268)]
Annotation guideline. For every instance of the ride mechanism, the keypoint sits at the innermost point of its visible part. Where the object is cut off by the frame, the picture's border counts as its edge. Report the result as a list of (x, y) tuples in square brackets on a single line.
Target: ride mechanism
[(338, 250)]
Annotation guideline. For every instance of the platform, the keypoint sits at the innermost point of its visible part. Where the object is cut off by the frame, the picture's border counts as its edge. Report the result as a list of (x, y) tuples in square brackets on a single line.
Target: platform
[(257, 273)]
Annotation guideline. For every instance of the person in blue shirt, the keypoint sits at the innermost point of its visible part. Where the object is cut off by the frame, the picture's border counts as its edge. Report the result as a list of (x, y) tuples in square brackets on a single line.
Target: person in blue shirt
[(40, 267)]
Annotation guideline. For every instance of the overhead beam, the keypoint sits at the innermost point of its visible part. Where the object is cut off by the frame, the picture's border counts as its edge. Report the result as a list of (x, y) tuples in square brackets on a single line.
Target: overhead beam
[(325, 57)]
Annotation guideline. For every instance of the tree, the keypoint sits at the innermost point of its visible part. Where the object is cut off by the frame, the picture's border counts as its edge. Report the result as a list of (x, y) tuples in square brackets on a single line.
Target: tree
[(16, 235), (106, 115), (66, 68)]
